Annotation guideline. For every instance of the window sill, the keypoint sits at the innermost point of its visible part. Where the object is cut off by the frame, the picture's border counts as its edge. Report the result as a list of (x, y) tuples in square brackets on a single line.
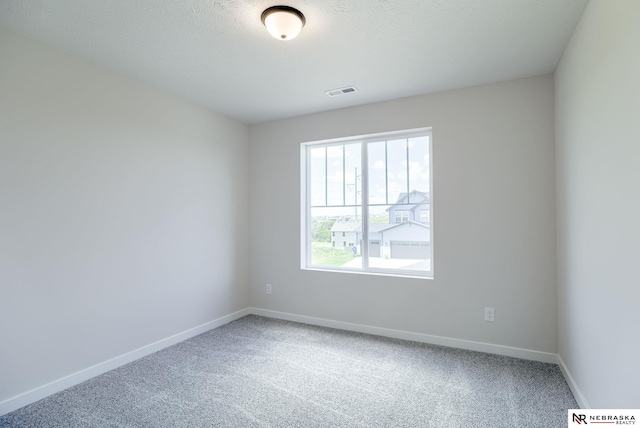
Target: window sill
[(393, 274)]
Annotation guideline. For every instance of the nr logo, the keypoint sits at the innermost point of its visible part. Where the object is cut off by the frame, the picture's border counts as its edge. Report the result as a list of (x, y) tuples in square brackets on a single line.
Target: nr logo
[(580, 419)]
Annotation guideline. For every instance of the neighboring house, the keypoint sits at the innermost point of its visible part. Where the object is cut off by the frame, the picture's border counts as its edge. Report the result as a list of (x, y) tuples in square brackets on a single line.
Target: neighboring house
[(414, 206), (406, 236), (344, 234)]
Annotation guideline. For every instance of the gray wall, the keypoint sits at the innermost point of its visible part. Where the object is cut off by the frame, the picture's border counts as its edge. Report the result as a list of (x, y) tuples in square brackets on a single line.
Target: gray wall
[(123, 215), (598, 189), (493, 214)]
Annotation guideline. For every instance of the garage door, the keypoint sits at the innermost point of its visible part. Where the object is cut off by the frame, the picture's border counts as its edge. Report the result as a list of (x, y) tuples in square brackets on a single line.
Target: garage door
[(410, 250), (374, 248)]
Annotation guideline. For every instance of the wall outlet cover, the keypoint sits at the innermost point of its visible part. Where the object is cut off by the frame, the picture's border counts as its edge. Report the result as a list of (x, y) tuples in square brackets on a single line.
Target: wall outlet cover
[(489, 314)]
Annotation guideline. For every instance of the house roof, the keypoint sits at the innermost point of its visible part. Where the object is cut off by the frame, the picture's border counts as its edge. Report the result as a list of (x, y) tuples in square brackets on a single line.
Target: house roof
[(345, 226), (403, 199), (373, 227), (404, 224)]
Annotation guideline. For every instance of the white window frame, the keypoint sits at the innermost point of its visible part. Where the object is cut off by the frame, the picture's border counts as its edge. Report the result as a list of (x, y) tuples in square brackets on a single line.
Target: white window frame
[(402, 217), (305, 191)]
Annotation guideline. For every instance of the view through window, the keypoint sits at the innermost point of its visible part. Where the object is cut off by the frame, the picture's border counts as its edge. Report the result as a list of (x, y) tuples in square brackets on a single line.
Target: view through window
[(367, 204)]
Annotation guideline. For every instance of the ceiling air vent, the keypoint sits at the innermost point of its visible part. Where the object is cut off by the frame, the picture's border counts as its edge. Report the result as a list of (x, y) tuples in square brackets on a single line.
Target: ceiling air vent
[(341, 91)]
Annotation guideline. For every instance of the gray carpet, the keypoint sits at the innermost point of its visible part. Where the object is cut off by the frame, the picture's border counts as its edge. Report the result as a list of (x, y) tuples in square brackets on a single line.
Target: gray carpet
[(260, 372)]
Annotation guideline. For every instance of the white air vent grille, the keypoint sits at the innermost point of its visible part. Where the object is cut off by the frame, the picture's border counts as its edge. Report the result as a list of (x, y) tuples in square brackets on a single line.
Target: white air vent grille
[(341, 91)]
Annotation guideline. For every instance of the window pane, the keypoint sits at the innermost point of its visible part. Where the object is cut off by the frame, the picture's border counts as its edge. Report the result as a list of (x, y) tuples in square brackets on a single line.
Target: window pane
[(353, 174), (378, 221), (317, 176), (335, 237), (377, 173), (401, 216), (419, 169), (335, 179), (397, 170), (425, 216)]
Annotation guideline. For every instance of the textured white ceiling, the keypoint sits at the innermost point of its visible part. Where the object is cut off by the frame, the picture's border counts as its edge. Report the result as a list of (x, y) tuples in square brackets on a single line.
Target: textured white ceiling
[(218, 53)]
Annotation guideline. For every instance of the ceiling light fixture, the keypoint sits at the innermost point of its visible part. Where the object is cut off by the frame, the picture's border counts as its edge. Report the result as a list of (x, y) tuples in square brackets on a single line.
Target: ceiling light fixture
[(283, 22)]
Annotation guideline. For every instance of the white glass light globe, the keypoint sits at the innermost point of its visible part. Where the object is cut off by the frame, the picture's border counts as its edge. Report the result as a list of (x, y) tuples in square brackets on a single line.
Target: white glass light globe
[(283, 24)]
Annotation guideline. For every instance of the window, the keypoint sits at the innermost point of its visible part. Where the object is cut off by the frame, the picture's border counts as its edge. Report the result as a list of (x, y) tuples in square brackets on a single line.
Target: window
[(402, 216), (375, 188)]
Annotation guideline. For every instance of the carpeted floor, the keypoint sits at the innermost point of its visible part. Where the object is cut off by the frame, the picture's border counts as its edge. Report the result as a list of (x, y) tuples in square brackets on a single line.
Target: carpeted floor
[(260, 372)]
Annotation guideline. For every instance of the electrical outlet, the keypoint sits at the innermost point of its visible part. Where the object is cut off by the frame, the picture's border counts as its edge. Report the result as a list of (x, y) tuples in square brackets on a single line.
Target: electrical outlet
[(489, 314), (268, 289)]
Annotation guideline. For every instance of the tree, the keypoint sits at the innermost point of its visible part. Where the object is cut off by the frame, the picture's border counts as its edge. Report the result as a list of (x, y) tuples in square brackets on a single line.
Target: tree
[(321, 229)]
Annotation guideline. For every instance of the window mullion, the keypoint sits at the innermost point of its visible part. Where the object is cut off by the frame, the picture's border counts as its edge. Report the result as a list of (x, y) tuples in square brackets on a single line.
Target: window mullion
[(406, 143), (364, 247), (386, 175), (344, 178), (326, 177)]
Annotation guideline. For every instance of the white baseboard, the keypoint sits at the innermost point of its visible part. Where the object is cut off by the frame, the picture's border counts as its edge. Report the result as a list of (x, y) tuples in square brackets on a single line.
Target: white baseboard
[(508, 351), (43, 391), (577, 394)]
